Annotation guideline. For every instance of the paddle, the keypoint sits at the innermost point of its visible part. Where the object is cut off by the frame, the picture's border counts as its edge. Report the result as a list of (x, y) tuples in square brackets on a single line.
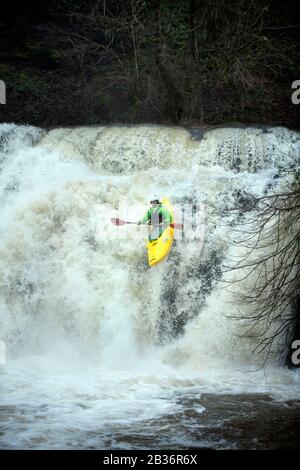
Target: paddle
[(118, 222)]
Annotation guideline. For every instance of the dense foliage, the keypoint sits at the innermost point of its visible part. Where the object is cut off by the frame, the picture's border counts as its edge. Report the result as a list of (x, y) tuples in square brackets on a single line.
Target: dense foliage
[(187, 62)]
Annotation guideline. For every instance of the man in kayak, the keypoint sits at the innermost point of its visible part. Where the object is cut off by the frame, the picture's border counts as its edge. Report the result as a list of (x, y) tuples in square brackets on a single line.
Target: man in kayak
[(158, 218)]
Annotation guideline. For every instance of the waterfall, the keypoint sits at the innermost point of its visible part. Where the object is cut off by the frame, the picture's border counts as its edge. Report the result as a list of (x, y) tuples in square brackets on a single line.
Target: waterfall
[(76, 293)]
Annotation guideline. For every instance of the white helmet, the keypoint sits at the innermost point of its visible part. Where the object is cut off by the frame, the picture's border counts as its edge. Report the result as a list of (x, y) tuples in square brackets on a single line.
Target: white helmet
[(154, 198)]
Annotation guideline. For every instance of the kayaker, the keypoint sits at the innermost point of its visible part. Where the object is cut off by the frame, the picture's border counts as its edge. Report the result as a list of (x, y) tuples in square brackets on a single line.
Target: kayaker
[(158, 218)]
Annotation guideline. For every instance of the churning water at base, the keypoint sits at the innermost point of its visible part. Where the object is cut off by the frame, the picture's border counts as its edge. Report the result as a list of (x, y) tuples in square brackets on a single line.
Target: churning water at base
[(103, 352)]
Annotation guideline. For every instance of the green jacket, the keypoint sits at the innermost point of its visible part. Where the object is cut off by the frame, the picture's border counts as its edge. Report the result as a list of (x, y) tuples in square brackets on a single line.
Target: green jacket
[(156, 215)]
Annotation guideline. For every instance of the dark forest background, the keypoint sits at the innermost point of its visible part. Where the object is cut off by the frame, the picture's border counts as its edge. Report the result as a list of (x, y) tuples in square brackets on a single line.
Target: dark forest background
[(188, 62)]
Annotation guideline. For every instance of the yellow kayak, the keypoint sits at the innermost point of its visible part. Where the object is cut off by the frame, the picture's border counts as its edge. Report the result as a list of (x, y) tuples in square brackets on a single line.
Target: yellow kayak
[(160, 248)]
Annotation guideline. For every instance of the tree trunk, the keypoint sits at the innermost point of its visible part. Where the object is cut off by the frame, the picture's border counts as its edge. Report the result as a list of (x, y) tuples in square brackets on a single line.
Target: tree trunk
[(174, 99)]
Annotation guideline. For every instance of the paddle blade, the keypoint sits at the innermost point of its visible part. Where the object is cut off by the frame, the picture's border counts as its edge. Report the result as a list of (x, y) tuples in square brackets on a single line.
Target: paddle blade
[(117, 221)]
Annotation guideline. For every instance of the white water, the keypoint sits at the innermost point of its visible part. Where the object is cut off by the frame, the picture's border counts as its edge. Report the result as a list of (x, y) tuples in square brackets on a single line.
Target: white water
[(96, 342)]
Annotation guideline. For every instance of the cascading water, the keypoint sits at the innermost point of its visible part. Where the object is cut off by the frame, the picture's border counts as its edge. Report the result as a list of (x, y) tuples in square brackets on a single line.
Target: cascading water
[(101, 351)]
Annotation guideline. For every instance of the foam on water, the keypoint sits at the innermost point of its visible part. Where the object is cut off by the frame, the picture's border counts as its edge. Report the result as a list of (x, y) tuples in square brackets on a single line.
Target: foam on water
[(95, 338)]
